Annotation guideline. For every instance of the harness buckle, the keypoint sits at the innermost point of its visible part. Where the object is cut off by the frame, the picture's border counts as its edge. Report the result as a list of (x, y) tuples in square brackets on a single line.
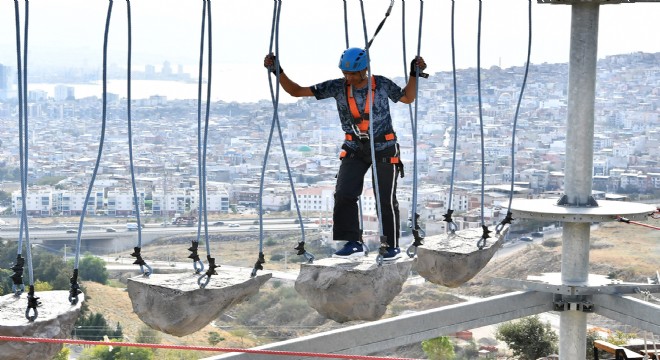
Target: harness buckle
[(363, 136)]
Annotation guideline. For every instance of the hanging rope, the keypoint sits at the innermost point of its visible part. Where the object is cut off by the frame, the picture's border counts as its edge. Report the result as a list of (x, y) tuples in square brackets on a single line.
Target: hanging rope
[(275, 96), (74, 291), (413, 221), (17, 277), (204, 279), (346, 24), (300, 248), (383, 241), (451, 225), (31, 313), (482, 241), (136, 250), (509, 215), (198, 265)]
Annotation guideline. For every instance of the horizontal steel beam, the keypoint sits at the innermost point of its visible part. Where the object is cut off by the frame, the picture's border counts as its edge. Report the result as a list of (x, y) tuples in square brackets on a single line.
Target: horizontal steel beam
[(574, 290), (629, 310), (412, 328)]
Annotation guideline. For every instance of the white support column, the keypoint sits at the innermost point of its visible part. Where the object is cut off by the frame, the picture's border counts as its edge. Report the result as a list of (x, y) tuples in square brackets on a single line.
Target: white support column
[(578, 171)]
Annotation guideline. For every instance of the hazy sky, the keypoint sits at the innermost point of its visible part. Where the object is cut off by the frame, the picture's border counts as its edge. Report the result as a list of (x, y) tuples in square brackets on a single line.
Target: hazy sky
[(70, 32)]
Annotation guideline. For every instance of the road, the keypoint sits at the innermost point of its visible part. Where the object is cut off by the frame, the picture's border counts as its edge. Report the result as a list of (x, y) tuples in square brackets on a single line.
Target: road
[(57, 231)]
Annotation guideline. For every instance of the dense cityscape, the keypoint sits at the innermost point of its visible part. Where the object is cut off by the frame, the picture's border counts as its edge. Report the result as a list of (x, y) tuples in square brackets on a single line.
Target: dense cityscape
[(64, 132)]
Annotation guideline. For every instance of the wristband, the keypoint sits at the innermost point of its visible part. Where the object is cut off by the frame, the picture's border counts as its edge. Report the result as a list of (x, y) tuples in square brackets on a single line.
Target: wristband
[(273, 70)]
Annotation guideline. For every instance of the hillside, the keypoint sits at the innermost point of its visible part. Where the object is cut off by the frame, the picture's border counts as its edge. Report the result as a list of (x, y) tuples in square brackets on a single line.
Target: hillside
[(625, 251)]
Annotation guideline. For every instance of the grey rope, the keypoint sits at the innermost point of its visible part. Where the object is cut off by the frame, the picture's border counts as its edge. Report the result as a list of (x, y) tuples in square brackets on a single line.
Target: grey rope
[(75, 288), (18, 287), (206, 278), (371, 128), (346, 23), (136, 253), (275, 97), (31, 312), (198, 265), (451, 225), (481, 243), (508, 218)]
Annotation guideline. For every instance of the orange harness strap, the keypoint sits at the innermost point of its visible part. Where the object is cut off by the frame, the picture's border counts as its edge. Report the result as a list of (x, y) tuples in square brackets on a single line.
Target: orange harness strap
[(386, 137), (361, 119)]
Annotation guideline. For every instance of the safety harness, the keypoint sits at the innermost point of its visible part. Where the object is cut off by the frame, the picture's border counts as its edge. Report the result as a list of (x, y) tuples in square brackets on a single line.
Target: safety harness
[(361, 131), (360, 120)]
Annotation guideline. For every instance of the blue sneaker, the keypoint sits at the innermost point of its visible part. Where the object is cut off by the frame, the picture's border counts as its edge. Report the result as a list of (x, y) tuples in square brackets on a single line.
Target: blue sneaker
[(350, 250), (392, 254)]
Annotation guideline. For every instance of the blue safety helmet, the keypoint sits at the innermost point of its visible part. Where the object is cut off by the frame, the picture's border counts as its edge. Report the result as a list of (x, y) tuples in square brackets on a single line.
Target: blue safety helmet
[(353, 59)]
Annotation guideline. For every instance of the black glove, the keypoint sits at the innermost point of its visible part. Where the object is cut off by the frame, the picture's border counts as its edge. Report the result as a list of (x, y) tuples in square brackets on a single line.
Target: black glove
[(276, 64), (413, 68)]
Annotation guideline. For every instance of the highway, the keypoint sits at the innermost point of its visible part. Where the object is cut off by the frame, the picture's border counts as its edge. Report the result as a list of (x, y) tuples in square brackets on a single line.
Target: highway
[(69, 231)]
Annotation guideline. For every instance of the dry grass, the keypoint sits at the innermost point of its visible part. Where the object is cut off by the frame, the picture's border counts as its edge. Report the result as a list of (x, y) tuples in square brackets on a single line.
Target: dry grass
[(627, 251), (635, 250), (115, 305)]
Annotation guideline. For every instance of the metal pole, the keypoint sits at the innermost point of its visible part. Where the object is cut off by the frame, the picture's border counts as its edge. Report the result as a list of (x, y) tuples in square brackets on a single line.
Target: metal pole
[(579, 167)]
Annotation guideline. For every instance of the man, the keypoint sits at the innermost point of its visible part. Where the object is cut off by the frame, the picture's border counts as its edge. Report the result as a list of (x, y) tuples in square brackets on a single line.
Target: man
[(351, 92)]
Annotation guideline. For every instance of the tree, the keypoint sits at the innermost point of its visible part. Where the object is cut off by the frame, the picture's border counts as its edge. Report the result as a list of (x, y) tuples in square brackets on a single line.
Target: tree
[(93, 268), (5, 283), (592, 335), (100, 352), (214, 338), (620, 338), (94, 327), (63, 354), (5, 198), (40, 286), (528, 338), (439, 348), (134, 353)]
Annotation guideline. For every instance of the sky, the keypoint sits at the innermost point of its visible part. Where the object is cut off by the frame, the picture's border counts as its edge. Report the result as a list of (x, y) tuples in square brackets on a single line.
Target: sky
[(311, 36)]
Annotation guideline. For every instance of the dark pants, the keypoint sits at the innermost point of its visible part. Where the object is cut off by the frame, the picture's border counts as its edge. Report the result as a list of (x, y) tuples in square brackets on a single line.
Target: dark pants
[(350, 180)]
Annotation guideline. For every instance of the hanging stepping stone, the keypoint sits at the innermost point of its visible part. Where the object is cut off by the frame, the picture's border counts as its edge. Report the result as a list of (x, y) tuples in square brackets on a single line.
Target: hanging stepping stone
[(352, 289), (175, 304), (452, 259), (55, 319)]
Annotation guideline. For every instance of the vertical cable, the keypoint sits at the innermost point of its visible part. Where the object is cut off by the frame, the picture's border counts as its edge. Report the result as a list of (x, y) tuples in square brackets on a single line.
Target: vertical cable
[(75, 288), (202, 160), (198, 265), (205, 139), (346, 23), (414, 224), (451, 225), (508, 218), (18, 286), (481, 121), (374, 170), (136, 253), (481, 243)]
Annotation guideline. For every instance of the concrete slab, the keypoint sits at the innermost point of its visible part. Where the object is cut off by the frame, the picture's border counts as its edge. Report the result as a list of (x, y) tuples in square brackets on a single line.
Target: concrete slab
[(352, 289), (175, 304), (453, 259), (55, 319)]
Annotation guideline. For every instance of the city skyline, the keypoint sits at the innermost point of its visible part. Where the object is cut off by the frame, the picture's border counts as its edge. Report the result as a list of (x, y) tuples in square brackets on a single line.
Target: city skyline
[(311, 37)]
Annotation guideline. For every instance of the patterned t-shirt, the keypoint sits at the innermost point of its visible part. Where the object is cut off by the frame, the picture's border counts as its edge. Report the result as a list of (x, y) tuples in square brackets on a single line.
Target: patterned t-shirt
[(381, 121)]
